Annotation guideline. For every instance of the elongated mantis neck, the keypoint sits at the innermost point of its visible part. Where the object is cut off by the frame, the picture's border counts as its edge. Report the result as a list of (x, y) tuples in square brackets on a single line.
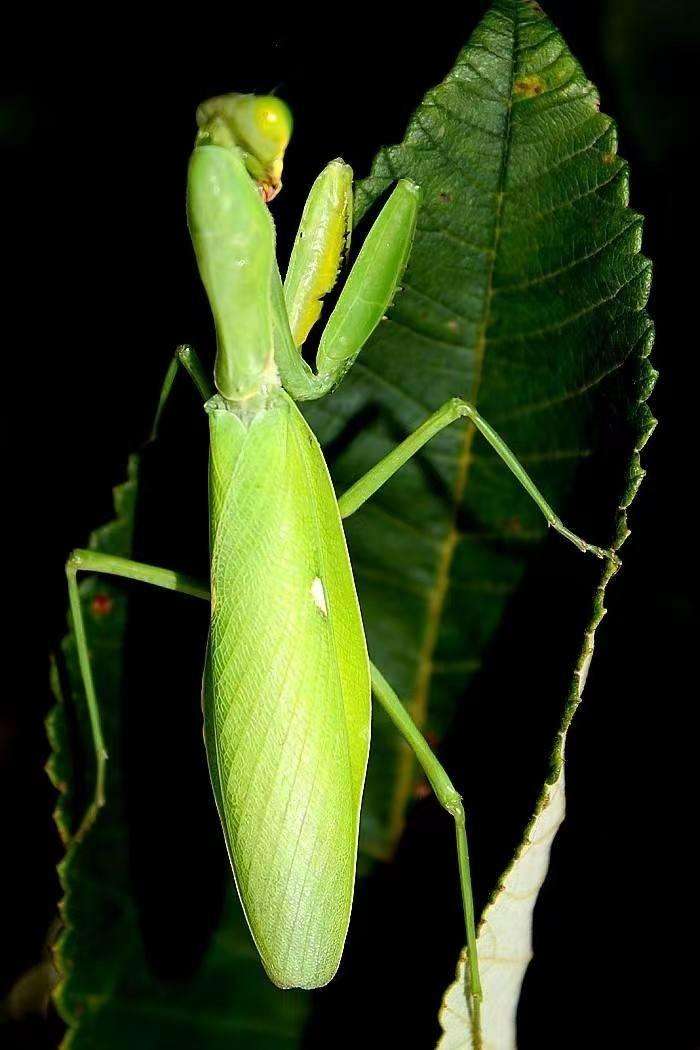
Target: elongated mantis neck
[(234, 241), (234, 170)]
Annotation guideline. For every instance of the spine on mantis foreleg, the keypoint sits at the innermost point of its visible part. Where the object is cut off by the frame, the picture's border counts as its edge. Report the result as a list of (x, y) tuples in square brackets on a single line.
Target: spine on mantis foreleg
[(234, 241)]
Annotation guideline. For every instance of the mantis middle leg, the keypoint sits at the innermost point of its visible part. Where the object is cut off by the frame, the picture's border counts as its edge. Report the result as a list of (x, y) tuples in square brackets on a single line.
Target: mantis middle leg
[(451, 411), (184, 357)]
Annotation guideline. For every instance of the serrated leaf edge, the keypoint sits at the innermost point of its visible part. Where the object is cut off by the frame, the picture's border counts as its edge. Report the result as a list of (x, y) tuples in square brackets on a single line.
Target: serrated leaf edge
[(61, 962), (646, 380)]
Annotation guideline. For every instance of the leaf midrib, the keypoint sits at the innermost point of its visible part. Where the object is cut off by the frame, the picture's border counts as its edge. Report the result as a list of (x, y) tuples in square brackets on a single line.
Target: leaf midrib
[(418, 704)]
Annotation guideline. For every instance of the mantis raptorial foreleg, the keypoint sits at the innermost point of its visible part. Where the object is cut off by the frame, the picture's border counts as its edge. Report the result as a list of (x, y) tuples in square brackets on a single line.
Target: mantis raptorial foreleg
[(111, 565), (450, 799), (366, 295), (452, 410), (184, 357), (323, 238)]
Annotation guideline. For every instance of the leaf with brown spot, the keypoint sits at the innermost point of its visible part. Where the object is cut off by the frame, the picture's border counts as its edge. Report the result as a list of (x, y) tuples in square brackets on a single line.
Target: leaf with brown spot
[(526, 241)]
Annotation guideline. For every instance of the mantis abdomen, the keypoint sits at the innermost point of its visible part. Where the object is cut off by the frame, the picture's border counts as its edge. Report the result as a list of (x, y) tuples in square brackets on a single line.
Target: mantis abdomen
[(287, 688)]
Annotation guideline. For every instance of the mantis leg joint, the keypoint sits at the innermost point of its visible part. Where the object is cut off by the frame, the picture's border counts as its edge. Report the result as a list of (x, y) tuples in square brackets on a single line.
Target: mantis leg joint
[(461, 408), (452, 802), (73, 563), (184, 353)]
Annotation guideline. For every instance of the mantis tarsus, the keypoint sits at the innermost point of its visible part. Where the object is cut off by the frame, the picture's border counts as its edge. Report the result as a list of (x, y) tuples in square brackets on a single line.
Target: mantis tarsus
[(287, 681)]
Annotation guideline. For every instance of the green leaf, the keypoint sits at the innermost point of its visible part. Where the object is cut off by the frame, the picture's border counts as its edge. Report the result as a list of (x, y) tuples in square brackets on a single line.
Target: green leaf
[(108, 994), (525, 293)]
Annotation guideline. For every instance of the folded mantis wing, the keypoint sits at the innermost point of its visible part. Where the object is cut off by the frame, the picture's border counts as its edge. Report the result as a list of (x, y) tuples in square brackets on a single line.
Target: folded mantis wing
[(287, 688)]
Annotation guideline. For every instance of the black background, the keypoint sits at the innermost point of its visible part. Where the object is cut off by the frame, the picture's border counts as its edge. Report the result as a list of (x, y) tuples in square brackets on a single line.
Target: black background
[(97, 125)]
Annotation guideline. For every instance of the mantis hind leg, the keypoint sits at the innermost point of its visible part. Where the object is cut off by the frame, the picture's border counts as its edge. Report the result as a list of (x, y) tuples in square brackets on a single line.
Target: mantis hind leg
[(451, 411), (95, 561), (450, 799)]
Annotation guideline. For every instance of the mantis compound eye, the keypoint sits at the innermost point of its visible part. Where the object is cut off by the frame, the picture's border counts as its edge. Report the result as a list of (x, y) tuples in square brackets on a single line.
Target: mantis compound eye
[(259, 125)]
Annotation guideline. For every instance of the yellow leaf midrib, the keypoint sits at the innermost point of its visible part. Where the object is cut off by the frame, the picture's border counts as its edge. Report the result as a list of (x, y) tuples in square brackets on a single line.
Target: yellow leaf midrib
[(419, 702)]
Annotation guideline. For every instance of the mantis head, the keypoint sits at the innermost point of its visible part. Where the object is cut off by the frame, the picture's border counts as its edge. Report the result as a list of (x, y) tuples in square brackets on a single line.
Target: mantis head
[(260, 126)]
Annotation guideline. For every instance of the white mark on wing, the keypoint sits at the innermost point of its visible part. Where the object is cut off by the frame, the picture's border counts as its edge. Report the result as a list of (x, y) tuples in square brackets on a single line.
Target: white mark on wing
[(319, 595)]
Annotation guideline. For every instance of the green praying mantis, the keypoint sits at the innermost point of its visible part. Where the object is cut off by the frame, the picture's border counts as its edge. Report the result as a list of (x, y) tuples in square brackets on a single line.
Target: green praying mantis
[(287, 678)]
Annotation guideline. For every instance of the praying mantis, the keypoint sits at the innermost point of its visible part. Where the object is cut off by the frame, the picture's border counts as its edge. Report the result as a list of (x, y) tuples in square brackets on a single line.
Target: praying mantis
[(287, 681)]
